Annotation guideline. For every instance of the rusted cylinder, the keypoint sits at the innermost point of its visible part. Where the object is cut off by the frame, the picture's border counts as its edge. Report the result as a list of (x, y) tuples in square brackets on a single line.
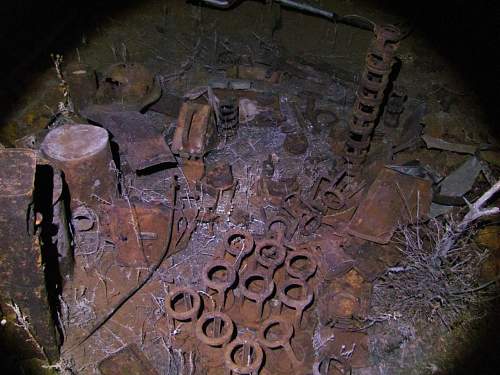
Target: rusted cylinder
[(83, 153)]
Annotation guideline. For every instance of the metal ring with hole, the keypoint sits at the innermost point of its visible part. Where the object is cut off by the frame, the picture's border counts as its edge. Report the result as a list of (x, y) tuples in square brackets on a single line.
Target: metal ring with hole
[(252, 367), (342, 367), (258, 297), (219, 286), (190, 314), (298, 304), (309, 223), (281, 341), (341, 200), (301, 274), (268, 262), (289, 227), (247, 247), (214, 341)]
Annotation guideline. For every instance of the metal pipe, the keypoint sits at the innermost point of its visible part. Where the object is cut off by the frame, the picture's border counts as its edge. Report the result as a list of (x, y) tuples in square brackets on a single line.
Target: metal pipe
[(355, 21), (308, 8), (223, 4)]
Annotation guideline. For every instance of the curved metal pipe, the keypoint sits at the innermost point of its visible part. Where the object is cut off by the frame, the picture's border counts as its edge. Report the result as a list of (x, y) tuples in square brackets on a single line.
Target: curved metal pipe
[(223, 4)]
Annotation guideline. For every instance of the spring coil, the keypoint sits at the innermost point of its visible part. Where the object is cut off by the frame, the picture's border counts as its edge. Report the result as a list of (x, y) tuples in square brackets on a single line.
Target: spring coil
[(370, 94), (229, 117)]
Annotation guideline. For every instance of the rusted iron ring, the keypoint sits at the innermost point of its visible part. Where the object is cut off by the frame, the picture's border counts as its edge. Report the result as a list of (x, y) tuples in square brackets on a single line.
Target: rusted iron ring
[(298, 304), (203, 323), (274, 343), (211, 268), (174, 296), (302, 274), (257, 360), (262, 295), (268, 261), (247, 239)]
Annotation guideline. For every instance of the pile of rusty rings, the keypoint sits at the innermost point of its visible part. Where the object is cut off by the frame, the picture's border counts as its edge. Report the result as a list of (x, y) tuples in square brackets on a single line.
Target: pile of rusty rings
[(370, 94), (243, 353)]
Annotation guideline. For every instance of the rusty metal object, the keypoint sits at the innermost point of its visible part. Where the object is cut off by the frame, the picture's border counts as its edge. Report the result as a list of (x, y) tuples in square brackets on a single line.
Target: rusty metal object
[(339, 309), (137, 230), (394, 107), (346, 341), (129, 360), (193, 169), (182, 306), (269, 254), (214, 330), (287, 227), (191, 300), (22, 284), (238, 243), (129, 84), (185, 221), (219, 178), (331, 366), (244, 355), (392, 199), (298, 303), (344, 301), (370, 95), (227, 125), (195, 131), (219, 275), (83, 153), (301, 264), (142, 144), (256, 286), (276, 333), (326, 194), (296, 143)]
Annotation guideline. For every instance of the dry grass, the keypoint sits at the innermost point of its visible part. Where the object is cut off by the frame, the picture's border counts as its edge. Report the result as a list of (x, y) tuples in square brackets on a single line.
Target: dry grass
[(428, 286)]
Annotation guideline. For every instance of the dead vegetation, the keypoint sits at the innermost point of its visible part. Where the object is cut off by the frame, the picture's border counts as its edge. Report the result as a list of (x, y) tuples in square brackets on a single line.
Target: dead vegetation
[(439, 278)]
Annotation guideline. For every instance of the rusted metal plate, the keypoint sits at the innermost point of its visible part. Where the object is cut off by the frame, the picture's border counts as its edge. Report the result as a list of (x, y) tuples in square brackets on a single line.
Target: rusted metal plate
[(353, 347), (128, 361), (138, 139), (138, 231), (391, 200), (219, 177), (195, 130), (23, 283)]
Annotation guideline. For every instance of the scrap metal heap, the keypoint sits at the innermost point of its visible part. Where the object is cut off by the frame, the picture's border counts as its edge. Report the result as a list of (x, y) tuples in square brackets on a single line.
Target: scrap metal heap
[(231, 241)]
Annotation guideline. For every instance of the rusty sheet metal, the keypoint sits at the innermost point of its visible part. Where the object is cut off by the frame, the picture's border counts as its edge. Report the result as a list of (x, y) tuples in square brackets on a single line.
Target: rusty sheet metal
[(137, 137), (195, 131), (138, 231), (128, 361), (193, 169), (21, 265), (391, 200), (346, 341)]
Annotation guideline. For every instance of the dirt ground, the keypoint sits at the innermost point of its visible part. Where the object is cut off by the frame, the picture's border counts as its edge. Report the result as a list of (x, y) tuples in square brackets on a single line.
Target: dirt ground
[(187, 47)]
